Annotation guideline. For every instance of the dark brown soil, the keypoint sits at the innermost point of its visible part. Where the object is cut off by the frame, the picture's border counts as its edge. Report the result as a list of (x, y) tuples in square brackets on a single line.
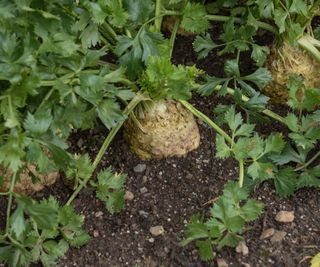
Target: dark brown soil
[(176, 188)]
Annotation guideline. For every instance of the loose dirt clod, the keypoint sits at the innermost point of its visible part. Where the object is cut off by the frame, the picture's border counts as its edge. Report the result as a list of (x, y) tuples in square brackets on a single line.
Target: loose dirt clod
[(222, 263), (278, 236), (242, 248), (285, 216), (128, 196), (267, 233), (157, 230)]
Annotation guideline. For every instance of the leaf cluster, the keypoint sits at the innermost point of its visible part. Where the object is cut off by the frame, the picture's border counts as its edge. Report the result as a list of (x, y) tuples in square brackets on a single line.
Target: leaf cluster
[(228, 217), (43, 232)]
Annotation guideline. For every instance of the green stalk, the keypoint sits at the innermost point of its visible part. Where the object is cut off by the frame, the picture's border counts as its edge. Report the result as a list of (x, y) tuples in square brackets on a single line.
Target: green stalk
[(309, 162), (134, 102), (241, 172), (173, 36), (111, 33), (260, 24), (307, 43), (267, 112), (206, 119), (12, 184), (158, 20)]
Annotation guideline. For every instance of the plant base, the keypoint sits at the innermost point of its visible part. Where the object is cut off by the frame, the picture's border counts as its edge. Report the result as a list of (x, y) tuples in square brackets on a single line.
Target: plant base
[(284, 61), (166, 129), (25, 184)]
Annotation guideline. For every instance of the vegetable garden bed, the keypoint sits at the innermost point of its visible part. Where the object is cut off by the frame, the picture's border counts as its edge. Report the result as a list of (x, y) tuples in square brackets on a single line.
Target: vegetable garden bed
[(247, 196)]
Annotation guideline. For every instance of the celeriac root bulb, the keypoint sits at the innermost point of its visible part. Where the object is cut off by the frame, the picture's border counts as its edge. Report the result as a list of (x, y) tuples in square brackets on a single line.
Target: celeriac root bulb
[(25, 185), (165, 129), (284, 61)]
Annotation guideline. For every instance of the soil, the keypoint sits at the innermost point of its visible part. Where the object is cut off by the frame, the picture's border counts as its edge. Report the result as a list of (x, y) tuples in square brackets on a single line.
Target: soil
[(169, 191)]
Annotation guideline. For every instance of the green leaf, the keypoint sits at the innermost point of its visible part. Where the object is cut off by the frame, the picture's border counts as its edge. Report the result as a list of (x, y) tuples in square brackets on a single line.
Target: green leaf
[(205, 249), (97, 13), (139, 10), (210, 85), (90, 36), (233, 193), (285, 182), (259, 54), (110, 189), (109, 113), (54, 250), (261, 77), (231, 68), (38, 123), (17, 221), (261, 170), (43, 214), (292, 122), (194, 18), (287, 155), (203, 45), (241, 148), (280, 17), (223, 150), (232, 119), (251, 210), (274, 143), (196, 229), (245, 130), (229, 240), (81, 168), (308, 179)]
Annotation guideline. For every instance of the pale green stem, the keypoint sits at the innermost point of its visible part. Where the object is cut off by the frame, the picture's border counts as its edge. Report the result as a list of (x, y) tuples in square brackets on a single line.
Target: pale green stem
[(267, 112), (307, 44), (10, 199), (173, 36), (134, 102), (309, 162), (241, 172), (259, 24), (158, 20), (206, 119)]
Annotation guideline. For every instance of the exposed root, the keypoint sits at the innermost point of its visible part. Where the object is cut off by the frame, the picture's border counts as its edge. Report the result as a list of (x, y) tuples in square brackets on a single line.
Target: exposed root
[(168, 130), (284, 61)]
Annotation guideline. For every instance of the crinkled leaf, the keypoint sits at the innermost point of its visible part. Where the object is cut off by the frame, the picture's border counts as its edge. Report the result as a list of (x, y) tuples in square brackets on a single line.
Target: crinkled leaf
[(285, 182)]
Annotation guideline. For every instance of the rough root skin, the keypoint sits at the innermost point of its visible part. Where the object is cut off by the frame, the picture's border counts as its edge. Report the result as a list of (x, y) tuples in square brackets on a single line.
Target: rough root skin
[(168, 24), (25, 186), (163, 132), (284, 61)]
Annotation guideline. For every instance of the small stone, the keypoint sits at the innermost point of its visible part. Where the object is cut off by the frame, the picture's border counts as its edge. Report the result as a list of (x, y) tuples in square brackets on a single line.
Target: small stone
[(222, 263), (144, 179), (98, 214), (242, 248), (151, 240), (267, 233), (143, 190), (128, 196), (278, 236), (80, 142), (143, 213), (244, 264), (285, 216), (140, 168), (95, 233), (157, 230)]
